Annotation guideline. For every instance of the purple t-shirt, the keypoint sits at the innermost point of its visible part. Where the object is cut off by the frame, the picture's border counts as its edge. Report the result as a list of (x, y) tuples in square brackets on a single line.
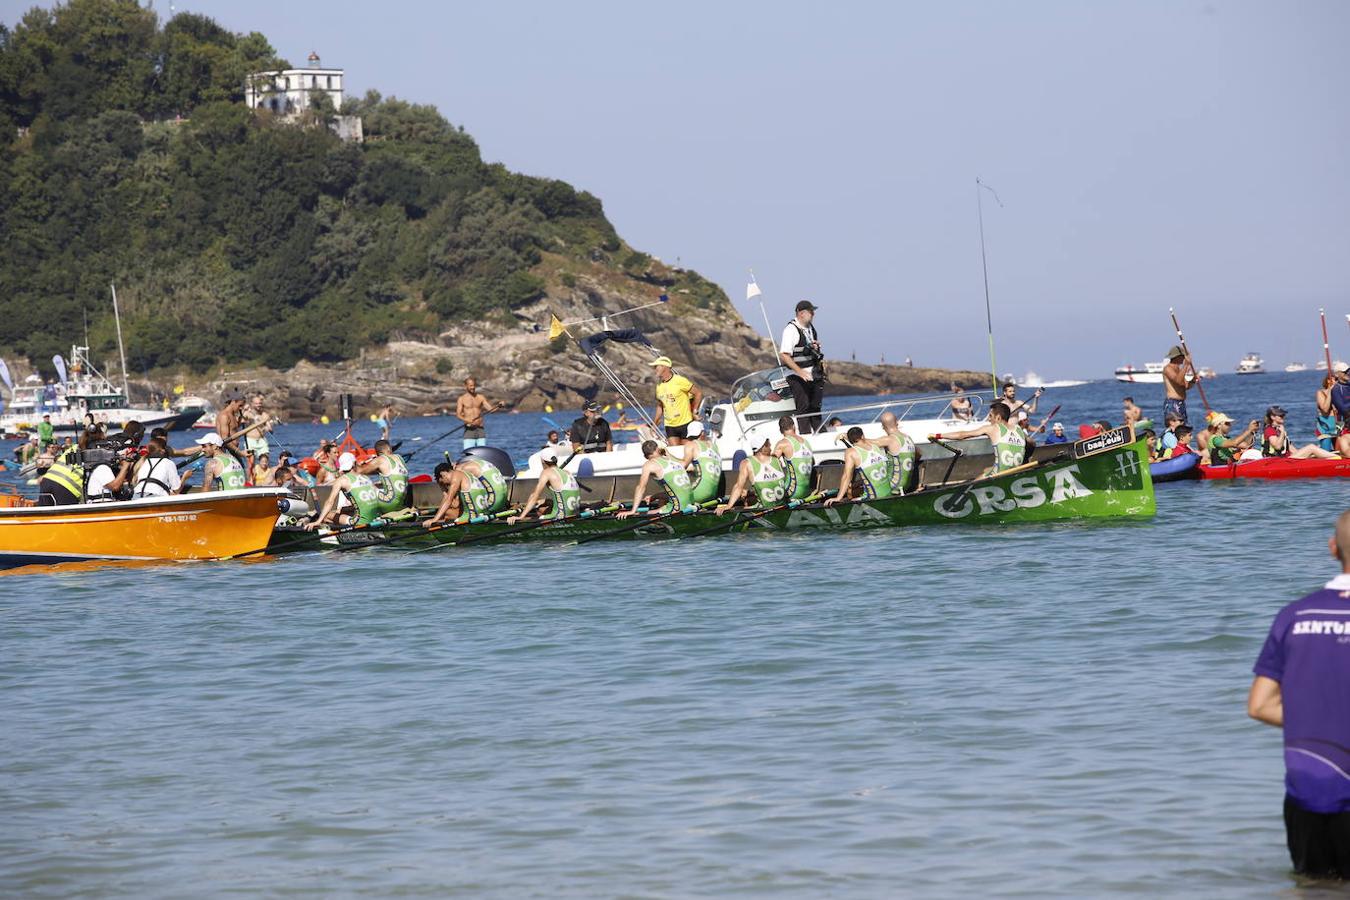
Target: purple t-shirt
[(1308, 653)]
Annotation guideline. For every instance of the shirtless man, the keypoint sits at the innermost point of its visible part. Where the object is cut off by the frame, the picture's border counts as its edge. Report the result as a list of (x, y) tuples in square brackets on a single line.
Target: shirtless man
[(1175, 384), (470, 409), (1131, 412)]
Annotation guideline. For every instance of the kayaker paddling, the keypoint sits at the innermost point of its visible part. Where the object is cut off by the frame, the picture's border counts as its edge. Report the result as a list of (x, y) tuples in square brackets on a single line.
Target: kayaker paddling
[(1175, 383)]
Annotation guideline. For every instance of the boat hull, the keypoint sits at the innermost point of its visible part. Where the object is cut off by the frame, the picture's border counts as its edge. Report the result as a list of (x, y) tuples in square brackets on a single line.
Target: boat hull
[(1179, 468), (1279, 468), (1114, 484), (191, 526)]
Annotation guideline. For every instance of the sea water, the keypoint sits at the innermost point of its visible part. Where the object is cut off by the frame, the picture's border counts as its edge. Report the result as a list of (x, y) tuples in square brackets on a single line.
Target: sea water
[(1047, 710)]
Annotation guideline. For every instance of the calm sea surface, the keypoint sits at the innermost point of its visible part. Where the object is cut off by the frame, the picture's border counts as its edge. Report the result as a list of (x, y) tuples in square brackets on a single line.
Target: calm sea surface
[(1049, 710)]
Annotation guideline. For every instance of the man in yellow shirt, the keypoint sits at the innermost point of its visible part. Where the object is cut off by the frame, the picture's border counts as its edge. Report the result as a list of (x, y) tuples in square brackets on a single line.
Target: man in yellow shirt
[(677, 401)]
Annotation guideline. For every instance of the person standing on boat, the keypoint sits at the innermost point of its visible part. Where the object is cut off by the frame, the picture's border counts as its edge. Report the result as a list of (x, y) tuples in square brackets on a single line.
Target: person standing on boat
[(671, 474), (470, 409), (761, 474), (220, 465), (1175, 383), (703, 460), (46, 434), (1019, 409), (564, 491), (901, 451), (259, 423), (590, 433), (799, 350), (796, 458), (1298, 686), (156, 475), (677, 401), (1009, 441), (1328, 428), (867, 460)]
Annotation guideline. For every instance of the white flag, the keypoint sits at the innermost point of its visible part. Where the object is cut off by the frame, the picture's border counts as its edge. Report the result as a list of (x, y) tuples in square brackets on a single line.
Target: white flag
[(752, 290)]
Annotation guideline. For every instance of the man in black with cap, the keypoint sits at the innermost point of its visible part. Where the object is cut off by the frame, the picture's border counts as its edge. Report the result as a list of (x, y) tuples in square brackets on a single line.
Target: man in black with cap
[(590, 433), (799, 349)]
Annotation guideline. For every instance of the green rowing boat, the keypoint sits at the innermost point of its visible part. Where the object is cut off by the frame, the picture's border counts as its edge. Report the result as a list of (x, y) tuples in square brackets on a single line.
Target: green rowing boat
[(1106, 476)]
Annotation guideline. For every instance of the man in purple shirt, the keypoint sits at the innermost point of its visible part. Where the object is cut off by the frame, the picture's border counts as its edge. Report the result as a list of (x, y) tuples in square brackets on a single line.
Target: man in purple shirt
[(1302, 684)]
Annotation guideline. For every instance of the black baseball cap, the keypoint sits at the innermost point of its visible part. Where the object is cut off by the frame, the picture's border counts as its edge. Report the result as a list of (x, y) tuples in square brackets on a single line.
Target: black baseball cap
[(591, 407), (805, 304), (1276, 411)]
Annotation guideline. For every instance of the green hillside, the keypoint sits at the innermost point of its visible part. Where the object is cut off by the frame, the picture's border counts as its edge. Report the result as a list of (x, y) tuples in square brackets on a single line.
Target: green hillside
[(129, 157)]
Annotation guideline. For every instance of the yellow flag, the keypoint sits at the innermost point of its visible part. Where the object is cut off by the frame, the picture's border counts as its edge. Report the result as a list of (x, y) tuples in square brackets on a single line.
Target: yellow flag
[(555, 327), (178, 389)]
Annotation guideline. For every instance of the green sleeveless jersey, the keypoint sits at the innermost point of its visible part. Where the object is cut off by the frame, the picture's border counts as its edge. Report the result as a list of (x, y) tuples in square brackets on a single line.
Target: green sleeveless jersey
[(487, 493), (677, 484), (874, 470), (231, 476), (902, 463), (365, 496), (798, 468), (707, 486), (394, 486), (1010, 447), (567, 501), (769, 481)]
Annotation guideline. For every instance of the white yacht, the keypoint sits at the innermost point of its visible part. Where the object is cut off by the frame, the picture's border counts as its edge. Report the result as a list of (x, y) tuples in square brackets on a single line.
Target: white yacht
[(1296, 367), (1151, 373), (86, 390), (1252, 364)]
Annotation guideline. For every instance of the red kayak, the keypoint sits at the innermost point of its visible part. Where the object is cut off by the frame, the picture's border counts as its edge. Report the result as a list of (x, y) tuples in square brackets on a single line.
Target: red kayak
[(1280, 467)]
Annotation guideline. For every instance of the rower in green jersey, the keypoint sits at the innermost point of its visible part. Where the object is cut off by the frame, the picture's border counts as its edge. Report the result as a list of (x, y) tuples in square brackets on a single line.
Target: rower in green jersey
[(797, 460), (1009, 441), (220, 466), (393, 473), (761, 474), (703, 461), (563, 489), (671, 474), (865, 459), (354, 497), (901, 451), (470, 487)]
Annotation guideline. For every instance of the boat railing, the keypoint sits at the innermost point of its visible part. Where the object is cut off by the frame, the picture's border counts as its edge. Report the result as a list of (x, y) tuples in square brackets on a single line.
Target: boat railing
[(938, 406)]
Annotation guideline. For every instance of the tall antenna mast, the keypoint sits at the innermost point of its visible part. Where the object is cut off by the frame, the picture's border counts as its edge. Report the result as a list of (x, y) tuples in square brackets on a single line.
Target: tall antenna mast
[(121, 351), (988, 312)]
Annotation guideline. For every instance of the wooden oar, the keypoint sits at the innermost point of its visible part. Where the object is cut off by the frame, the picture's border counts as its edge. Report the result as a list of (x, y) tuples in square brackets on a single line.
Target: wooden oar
[(738, 520), (1181, 339), (476, 520), (637, 525), (307, 539), (1326, 341), (528, 526), (187, 461), (419, 532)]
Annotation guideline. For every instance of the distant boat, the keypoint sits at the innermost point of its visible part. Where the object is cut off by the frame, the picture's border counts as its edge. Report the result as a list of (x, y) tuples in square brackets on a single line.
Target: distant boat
[(1252, 364), (1207, 372), (1151, 373), (1032, 380), (1296, 367), (1321, 365)]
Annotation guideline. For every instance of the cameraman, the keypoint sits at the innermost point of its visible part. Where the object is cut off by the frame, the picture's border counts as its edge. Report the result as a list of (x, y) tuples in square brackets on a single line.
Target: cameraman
[(105, 484), (799, 350), (156, 475)]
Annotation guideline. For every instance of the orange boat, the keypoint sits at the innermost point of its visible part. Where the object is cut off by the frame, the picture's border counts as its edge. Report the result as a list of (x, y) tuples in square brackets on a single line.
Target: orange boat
[(209, 525)]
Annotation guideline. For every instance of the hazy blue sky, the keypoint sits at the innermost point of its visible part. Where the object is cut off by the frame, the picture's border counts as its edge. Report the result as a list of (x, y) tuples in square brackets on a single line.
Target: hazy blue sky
[(1148, 154)]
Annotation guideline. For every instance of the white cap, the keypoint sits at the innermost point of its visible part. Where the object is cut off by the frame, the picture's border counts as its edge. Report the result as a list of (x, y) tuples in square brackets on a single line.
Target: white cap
[(1059, 425), (346, 462), (549, 454), (694, 429), (1340, 367), (211, 438)]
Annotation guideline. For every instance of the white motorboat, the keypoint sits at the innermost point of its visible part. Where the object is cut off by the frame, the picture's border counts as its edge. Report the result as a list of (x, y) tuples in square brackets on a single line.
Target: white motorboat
[(757, 402), (1151, 373), (1296, 367), (1251, 364), (85, 390), (1032, 380)]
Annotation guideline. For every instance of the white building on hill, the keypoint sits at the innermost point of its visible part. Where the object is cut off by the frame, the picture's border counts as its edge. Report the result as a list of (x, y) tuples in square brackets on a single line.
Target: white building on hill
[(289, 92)]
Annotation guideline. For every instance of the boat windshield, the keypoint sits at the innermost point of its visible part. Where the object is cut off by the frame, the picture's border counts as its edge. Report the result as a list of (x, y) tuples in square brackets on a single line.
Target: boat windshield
[(766, 384)]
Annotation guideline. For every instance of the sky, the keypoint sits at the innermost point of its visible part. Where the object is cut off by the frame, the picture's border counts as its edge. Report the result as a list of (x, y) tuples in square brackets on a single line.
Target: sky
[(1147, 155)]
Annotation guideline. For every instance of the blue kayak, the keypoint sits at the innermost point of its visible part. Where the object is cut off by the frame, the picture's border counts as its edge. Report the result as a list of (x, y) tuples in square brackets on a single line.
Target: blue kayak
[(1178, 468)]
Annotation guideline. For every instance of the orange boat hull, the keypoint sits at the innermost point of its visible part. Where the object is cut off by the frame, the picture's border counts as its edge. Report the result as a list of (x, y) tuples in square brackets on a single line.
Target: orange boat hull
[(192, 526)]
